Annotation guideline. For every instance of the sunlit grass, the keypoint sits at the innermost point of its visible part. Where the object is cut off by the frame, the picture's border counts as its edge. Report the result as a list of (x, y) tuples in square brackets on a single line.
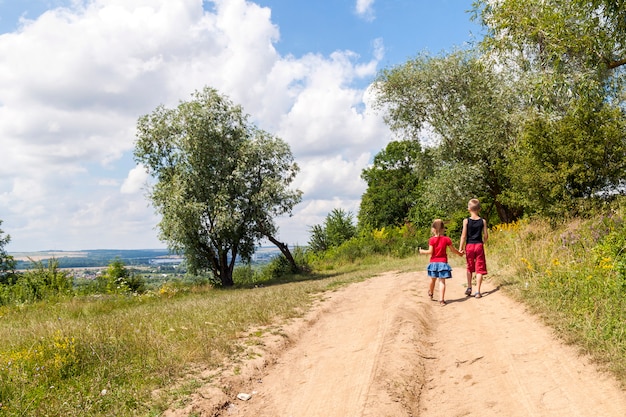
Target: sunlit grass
[(570, 275)]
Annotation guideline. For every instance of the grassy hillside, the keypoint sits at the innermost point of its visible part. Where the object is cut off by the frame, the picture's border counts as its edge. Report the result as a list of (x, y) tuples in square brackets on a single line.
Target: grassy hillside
[(106, 355), (573, 275)]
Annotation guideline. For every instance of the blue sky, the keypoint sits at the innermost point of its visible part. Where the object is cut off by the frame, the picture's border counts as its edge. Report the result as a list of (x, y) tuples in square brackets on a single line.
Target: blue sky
[(75, 75)]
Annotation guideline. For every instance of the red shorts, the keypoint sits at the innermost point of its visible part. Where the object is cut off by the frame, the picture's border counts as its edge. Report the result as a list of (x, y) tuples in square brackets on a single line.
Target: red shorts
[(475, 255)]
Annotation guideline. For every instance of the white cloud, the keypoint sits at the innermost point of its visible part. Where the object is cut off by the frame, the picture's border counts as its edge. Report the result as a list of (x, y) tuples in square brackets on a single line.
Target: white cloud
[(365, 9), (74, 81), (136, 180)]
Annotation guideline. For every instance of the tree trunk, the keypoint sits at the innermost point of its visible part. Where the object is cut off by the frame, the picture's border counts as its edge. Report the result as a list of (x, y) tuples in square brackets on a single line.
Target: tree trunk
[(226, 272), (285, 251), (503, 213)]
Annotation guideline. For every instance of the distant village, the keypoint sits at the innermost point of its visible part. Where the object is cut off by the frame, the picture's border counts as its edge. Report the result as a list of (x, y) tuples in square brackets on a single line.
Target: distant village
[(88, 264)]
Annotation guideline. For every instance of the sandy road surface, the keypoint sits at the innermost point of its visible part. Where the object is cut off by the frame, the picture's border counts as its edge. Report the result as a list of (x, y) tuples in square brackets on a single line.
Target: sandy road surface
[(382, 348)]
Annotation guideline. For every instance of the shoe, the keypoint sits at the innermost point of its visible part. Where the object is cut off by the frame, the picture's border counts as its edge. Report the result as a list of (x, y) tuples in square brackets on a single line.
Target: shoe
[(468, 291), (430, 295), (478, 295), (442, 303)]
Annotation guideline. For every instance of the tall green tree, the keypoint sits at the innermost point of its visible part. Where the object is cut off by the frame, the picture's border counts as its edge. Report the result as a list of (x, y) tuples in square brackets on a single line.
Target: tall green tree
[(568, 58), (220, 181), (561, 50), (463, 107), (393, 184), (7, 262), (567, 36), (560, 161)]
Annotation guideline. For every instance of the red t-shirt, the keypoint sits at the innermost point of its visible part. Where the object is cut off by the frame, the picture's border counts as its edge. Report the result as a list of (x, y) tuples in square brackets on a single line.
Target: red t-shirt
[(439, 244)]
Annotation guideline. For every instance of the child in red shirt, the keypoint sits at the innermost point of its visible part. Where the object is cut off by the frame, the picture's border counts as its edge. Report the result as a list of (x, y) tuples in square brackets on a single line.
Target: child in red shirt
[(438, 267)]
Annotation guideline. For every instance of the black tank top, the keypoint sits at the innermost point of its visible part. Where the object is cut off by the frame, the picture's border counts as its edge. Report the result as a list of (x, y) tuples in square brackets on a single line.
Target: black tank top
[(475, 230)]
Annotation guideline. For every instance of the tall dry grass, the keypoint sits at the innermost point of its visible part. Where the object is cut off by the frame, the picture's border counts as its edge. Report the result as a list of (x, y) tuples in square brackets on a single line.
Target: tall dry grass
[(573, 275)]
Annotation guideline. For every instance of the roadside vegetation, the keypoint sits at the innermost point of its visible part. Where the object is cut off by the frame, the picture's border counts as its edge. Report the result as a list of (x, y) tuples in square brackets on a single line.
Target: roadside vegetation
[(108, 354), (572, 274)]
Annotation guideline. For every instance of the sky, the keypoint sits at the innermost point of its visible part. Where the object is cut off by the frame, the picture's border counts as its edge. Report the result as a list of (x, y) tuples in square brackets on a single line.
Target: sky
[(75, 76)]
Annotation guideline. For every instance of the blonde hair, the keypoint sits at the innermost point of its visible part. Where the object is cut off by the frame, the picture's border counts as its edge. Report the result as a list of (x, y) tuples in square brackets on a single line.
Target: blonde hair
[(438, 227), (473, 205)]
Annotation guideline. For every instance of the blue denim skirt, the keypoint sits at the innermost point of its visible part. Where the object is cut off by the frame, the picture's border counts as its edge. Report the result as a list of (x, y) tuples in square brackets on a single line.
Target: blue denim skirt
[(439, 270)]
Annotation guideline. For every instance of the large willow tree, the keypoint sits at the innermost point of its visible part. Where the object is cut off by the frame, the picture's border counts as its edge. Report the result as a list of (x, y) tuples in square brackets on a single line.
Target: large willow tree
[(220, 181), (462, 106)]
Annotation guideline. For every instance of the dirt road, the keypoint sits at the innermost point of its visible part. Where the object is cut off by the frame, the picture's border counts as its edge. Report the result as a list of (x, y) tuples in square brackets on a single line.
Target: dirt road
[(382, 348)]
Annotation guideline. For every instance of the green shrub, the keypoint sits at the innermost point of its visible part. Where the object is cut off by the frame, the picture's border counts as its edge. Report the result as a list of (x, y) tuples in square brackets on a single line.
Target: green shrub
[(245, 275), (40, 283), (118, 279)]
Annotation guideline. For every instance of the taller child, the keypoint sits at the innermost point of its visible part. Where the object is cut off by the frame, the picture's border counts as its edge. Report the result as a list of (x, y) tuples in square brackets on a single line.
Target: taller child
[(473, 238)]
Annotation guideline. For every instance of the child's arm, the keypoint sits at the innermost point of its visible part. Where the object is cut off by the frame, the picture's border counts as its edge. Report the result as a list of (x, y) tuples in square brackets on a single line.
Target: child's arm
[(485, 231), (428, 251), (458, 252), (463, 236)]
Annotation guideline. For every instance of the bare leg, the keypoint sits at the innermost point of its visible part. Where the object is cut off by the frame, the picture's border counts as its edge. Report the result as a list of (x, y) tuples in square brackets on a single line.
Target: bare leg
[(479, 281), (431, 287), (442, 291), (469, 283)]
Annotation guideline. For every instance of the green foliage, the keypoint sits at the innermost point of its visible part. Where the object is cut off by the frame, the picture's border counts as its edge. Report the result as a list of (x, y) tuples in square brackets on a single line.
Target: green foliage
[(220, 181), (610, 253), (7, 262), (317, 238), (560, 47), (558, 162), (395, 241), (279, 269), (565, 59), (572, 274), (393, 184), (43, 282), (246, 275), (119, 279), (461, 106), (338, 227), (530, 123), (444, 196)]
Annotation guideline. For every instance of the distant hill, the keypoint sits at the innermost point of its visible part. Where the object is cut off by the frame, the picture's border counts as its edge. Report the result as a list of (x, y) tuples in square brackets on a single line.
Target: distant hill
[(92, 258), (103, 257)]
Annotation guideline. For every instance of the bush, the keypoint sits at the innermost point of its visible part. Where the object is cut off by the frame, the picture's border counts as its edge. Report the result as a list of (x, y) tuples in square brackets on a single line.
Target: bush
[(119, 279), (246, 276), (40, 283)]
